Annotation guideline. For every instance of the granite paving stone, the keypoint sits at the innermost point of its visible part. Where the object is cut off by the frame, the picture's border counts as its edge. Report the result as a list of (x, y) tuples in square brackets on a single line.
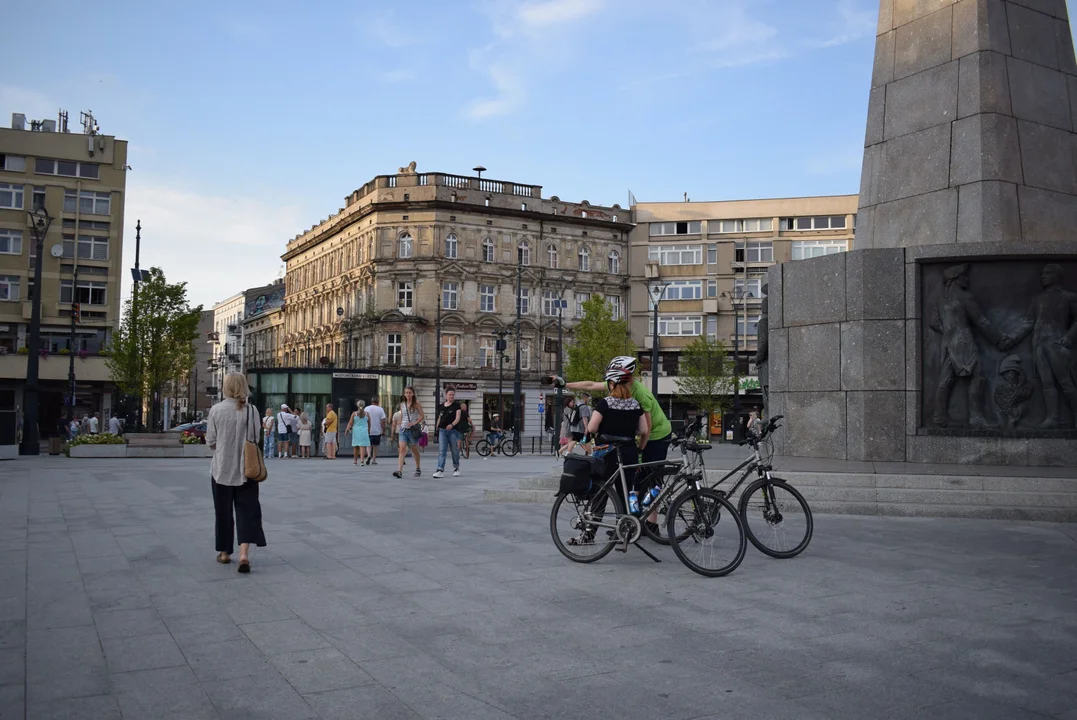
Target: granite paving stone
[(389, 598)]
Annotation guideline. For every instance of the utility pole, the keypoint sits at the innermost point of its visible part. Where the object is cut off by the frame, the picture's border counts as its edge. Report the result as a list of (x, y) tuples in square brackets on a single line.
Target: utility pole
[(437, 343), (137, 275), (40, 220), (517, 389), (560, 359), (501, 346), (76, 312)]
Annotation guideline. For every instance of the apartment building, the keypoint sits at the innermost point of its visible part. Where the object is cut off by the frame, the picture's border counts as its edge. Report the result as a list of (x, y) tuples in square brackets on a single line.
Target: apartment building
[(225, 342), (367, 290), (711, 258), (263, 319), (79, 180)]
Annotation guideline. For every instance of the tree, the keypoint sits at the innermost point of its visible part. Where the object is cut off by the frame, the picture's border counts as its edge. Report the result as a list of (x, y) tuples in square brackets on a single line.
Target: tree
[(154, 344), (597, 339), (705, 378)]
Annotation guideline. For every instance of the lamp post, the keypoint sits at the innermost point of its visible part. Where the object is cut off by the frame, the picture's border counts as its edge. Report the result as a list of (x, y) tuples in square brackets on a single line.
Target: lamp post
[(437, 349), (517, 389), (76, 311), (40, 220), (656, 290), (561, 303), (501, 346), (137, 276)]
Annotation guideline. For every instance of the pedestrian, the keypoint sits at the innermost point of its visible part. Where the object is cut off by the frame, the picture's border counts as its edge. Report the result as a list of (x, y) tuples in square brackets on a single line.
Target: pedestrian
[(231, 422), (95, 422), (376, 414), (284, 428), (448, 434), (411, 428), (293, 432), (359, 428), (465, 430), (306, 430), (330, 432), (571, 424), (268, 424), (584, 406), (114, 426), (73, 429), (84, 428)]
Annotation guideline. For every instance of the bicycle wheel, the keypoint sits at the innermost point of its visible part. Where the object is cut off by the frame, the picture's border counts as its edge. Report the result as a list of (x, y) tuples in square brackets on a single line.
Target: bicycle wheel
[(572, 524), (776, 517), (482, 447), (509, 447), (707, 532)]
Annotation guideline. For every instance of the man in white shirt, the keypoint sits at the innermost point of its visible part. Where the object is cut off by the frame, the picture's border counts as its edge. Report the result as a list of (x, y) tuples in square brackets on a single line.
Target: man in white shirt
[(377, 426), (94, 424), (114, 425), (285, 421)]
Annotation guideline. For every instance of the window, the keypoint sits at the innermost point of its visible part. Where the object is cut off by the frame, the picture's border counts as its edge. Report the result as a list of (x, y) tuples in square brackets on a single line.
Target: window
[(394, 349), (39, 199), (684, 290), (551, 257), (450, 350), (584, 260), (525, 354), (676, 228), (404, 291), (91, 247), (804, 249), (551, 301), (405, 246), (90, 293), (757, 252), (450, 296), (525, 301), (736, 226), (487, 351), (10, 242), (13, 163), (613, 263), (712, 288), (9, 288), (69, 223), (67, 168), (524, 253), (11, 196), (486, 298), (824, 222), (753, 288), (581, 298), (676, 254), (753, 325), (488, 249), (680, 325), (712, 254), (97, 203), (451, 245), (615, 306), (712, 326)]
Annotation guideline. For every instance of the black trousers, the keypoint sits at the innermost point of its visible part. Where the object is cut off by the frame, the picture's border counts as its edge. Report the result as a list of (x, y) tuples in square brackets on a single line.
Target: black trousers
[(248, 515)]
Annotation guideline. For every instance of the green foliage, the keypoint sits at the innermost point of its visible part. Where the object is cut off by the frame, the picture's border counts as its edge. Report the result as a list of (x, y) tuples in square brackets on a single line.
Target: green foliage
[(96, 439), (154, 347), (190, 438), (705, 378), (598, 338)]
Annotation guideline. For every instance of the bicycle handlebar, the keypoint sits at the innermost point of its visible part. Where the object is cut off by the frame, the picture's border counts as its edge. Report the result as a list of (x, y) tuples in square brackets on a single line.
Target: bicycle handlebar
[(769, 427)]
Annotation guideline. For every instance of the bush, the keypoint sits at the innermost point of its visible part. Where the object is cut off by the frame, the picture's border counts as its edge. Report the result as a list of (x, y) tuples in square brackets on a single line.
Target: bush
[(65, 351), (98, 439), (189, 438), (24, 350)]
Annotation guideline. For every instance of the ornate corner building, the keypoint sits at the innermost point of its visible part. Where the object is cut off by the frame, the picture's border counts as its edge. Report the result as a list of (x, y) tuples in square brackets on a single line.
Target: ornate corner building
[(367, 288)]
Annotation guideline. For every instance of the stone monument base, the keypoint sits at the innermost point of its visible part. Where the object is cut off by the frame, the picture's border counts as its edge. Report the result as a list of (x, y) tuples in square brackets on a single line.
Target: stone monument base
[(860, 344)]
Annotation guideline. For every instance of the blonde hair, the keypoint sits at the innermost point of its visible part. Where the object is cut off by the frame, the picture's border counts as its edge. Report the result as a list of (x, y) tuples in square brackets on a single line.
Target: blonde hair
[(235, 387), (304, 417), (360, 408)]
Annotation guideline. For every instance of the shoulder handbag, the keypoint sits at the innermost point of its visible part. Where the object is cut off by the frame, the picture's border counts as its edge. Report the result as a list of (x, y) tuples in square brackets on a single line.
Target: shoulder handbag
[(254, 466)]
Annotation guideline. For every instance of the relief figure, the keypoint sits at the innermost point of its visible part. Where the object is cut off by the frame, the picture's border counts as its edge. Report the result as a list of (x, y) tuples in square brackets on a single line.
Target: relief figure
[(1012, 391), (955, 317)]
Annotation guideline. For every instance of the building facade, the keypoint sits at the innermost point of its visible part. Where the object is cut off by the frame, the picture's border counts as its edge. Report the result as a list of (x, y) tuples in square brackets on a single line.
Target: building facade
[(226, 341), (712, 259), (263, 319), (412, 256), (79, 179)]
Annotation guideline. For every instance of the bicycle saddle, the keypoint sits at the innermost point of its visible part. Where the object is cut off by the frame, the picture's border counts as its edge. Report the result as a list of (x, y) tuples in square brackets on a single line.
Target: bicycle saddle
[(615, 440), (694, 447)]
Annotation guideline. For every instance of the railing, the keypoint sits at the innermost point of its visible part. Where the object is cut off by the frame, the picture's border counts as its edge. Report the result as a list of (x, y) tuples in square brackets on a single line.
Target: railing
[(455, 181), (491, 186)]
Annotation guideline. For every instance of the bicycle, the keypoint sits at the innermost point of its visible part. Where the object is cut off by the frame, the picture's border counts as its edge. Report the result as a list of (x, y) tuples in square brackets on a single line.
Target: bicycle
[(592, 535), (496, 443)]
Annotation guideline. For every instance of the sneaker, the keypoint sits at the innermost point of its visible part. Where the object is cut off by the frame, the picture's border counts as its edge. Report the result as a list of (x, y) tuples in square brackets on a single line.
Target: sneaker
[(397, 474), (456, 472), (438, 473), (418, 473), (373, 462)]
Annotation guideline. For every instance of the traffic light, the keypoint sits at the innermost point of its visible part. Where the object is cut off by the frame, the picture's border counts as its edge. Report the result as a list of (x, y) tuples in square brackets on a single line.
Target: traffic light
[(76, 312)]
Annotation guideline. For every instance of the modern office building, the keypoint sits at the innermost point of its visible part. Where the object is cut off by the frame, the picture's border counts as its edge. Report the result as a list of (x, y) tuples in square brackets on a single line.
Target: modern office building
[(711, 259), (414, 255), (79, 180)]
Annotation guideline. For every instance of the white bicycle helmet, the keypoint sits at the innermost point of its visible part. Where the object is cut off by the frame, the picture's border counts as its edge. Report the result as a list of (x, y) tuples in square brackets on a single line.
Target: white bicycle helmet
[(626, 362), (617, 373)]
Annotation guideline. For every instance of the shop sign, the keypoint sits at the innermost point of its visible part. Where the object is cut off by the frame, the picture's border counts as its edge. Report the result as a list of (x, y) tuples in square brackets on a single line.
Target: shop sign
[(354, 376)]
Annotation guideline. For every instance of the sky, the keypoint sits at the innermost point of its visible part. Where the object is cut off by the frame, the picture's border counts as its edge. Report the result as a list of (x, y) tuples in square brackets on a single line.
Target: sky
[(249, 122)]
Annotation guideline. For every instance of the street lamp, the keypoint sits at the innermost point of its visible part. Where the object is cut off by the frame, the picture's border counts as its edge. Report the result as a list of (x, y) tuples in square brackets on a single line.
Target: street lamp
[(40, 220), (741, 295), (517, 389), (656, 290), (561, 305), (501, 346)]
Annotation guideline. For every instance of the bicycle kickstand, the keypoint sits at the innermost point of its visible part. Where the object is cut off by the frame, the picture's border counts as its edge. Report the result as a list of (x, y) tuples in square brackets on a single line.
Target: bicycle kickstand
[(645, 551)]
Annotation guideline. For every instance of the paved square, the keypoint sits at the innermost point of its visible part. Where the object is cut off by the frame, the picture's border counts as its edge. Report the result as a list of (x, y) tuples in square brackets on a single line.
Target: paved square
[(414, 598)]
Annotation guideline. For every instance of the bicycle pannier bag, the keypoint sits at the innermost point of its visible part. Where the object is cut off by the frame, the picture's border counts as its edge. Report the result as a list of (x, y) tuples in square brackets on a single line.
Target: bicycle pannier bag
[(581, 474)]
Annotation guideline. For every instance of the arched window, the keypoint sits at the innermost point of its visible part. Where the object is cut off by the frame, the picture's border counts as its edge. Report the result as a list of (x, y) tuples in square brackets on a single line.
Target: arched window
[(551, 257), (405, 246), (583, 259), (488, 250), (614, 263), (525, 253), (451, 245)]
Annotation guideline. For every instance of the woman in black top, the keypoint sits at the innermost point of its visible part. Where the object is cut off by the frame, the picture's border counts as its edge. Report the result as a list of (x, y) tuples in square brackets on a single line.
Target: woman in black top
[(620, 415), (448, 433)]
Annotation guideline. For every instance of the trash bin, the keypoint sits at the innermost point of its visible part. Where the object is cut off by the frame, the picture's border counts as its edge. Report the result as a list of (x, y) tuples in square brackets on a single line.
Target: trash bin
[(56, 445)]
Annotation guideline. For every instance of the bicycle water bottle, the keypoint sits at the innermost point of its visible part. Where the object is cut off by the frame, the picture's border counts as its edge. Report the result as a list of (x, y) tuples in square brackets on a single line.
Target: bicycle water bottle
[(633, 503), (650, 496)]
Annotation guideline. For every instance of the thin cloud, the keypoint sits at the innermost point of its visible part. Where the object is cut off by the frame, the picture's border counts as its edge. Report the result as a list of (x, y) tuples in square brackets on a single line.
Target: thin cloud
[(34, 104), (391, 77), (539, 15), (384, 29), (854, 23)]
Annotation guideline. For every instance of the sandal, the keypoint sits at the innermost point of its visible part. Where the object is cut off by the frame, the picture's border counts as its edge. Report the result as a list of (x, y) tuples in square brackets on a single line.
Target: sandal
[(244, 565), (397, 474), (223, 558)]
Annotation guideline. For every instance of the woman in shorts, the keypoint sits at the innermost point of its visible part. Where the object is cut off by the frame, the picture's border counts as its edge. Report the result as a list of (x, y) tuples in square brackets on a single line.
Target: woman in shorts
[(411, 428)]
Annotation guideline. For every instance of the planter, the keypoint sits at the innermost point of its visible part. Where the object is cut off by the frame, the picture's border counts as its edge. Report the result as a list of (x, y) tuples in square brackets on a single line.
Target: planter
[(197, 451), (99, 451)]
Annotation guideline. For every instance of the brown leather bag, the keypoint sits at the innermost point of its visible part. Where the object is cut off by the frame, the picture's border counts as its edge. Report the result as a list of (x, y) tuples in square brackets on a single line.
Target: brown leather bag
[(254, 466)]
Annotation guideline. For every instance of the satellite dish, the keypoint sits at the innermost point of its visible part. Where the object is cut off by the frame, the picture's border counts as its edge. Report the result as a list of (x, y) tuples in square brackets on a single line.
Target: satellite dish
[(56, 250)]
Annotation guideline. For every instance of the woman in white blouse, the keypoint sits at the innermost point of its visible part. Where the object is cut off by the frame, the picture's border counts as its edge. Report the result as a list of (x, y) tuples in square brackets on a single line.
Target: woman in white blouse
[(230, 422)]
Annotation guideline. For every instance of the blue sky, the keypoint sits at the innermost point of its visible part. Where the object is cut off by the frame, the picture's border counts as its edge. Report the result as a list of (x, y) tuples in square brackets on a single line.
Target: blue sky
[(249, 122)]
